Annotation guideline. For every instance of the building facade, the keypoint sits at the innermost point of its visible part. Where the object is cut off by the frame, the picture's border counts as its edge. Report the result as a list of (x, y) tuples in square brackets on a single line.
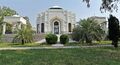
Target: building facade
[(55, 20), (16, 21)]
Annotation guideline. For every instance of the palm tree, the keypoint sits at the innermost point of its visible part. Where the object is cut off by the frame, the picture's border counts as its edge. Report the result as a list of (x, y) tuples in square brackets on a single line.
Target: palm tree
[(0, 27), (24, 35), (89, 30)]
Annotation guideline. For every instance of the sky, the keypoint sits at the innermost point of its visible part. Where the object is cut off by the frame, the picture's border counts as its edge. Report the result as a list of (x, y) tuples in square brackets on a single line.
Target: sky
[(32, 8)]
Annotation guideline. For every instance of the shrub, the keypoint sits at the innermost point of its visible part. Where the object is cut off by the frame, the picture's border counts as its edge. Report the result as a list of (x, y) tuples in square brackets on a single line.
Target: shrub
[(64, 39), (76, 34), (51, 38)]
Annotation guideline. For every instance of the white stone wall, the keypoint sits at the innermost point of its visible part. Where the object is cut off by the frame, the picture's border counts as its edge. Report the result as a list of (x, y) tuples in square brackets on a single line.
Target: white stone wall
[(16, 21), (51, 15)]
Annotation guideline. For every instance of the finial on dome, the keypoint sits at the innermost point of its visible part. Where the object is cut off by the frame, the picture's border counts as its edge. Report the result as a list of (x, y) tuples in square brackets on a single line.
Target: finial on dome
[(55, 7)]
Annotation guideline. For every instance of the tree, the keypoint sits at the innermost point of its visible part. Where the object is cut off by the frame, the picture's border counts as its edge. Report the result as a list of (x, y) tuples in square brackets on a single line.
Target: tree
[(6, 11), (24, 35), (113, 26), (106, 5), (28, 22), (76, 34), (8, 28), (88, 30)]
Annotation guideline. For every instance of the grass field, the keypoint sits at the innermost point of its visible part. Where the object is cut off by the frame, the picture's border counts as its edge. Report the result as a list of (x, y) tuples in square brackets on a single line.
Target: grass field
[(25, 45), (45, 44), (76, 56)]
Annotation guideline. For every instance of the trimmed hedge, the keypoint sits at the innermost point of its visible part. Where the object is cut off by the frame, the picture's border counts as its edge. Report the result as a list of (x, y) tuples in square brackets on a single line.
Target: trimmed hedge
[(51, 38), (64, 39)]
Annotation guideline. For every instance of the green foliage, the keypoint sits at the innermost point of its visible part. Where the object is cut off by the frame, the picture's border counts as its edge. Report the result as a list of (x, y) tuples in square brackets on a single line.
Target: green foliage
[(28, 22), (8, 28), (0, 37), (0, 28), (6, 11), (74, 56), (88, 30), (64, 39), (51, 38), (113, 26), (106, 5), (76, 34), (24, 35)]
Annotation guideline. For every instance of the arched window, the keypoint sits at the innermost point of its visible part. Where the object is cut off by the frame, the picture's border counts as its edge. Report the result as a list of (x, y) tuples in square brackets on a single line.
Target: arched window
[(42, 27), (69, 27)]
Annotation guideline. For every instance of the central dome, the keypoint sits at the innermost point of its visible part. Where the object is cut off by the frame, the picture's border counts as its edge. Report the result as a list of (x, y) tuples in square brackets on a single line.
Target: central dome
[(55, 7)]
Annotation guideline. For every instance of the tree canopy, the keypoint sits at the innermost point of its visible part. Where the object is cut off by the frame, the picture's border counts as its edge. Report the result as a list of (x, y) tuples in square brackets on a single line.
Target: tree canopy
[(28, 22), (106, 5), (88, 30), (113, 26), (24, 35), (6, 11)]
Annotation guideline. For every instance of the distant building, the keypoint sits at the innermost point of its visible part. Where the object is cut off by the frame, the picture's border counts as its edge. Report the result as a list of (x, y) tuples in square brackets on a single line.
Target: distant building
[(101, 21), (16, 21), (55, 20)]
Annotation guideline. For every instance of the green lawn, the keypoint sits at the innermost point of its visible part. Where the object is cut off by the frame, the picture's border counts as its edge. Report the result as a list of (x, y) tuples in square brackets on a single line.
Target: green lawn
[(85, 44), (45, 44), (25, 45), (76, 56)]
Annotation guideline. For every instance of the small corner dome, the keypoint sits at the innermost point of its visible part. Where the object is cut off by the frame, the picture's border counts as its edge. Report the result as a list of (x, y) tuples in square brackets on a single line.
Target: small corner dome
[(55, 7)]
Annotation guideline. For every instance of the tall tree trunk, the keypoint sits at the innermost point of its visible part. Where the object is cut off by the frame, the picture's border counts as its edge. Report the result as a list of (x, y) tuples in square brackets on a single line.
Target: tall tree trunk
[(115, 43), (112, 42), (22, 42), (89, 41)]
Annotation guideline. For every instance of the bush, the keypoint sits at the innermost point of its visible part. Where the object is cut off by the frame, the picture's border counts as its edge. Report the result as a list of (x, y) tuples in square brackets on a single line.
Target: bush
[(64, 39), (51, 38), (76, 34)]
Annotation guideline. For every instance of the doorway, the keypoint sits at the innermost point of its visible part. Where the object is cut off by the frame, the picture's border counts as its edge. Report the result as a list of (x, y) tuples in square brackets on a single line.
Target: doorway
[(56, 27)]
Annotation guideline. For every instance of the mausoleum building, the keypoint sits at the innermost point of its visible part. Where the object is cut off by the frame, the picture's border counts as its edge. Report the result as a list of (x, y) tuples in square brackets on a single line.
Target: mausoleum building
[(56, 20)]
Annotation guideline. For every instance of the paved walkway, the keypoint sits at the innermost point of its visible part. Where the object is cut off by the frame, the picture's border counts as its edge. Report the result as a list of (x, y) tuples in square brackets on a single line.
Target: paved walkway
[(52, 47), (41, 41)]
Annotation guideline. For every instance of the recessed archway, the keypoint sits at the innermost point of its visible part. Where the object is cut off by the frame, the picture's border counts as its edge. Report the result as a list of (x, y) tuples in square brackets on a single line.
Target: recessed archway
[(42, 27), (56, 27), (69, 27)]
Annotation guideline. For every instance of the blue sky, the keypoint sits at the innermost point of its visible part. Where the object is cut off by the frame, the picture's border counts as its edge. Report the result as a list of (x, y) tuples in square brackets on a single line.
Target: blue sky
[(31, 8)]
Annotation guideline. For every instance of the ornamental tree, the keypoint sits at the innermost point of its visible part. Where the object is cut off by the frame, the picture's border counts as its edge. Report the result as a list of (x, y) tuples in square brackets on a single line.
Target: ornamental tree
[(113, 27)]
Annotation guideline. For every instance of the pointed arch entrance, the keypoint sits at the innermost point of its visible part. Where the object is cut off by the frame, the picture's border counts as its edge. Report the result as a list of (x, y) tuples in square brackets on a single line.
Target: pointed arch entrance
[(56, 27)]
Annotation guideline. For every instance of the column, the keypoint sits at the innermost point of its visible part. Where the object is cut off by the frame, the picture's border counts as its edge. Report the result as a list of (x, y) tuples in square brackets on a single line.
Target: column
[(4, 28), (19, 25), (38, 28)]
